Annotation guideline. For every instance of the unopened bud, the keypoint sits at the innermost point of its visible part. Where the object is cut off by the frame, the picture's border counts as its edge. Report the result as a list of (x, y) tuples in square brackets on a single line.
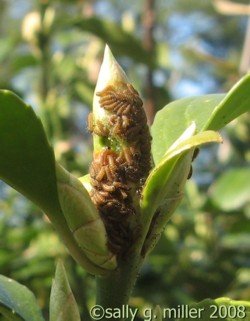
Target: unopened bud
[(122, 158)]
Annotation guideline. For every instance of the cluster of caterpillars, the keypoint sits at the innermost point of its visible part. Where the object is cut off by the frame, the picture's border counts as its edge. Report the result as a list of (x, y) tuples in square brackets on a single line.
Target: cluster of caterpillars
[(118, 174)]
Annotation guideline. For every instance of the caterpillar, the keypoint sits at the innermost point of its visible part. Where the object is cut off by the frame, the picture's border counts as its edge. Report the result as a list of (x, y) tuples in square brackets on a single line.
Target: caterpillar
[(97, 126)]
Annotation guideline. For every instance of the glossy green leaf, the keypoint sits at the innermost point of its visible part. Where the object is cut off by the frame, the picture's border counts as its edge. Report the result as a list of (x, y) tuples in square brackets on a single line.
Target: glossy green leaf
[(218, 309), (63, 306), (164, 187), (122, 42), (27, 164), (26, 158), (235, 103), (208, 112), (231, 191), (17, 302)]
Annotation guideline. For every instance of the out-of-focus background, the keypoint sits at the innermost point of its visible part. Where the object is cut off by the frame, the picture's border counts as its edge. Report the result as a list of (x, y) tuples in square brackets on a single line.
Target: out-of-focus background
[(50, 55)]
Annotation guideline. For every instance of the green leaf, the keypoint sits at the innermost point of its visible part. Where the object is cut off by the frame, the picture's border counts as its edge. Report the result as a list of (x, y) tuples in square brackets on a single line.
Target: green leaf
[(27, 164), (84, 220), (154, 189), (26, 159), (231, 191), (235, 103), (63, 306), (208, 112), (122, 42), (164, 186), (17, 302), (218, 309)]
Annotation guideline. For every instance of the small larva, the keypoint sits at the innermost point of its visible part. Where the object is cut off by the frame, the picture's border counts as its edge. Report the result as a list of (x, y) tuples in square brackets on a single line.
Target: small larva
[(108, 188), (117, 129), (127, 110), (104, 193), (98, 198), (100, 174), (110, 174), (97, 126), (109, 105), (95, 183), (128, 155), (111, 161), (120, 108), (105, 155), (100, 129), (122, 186)]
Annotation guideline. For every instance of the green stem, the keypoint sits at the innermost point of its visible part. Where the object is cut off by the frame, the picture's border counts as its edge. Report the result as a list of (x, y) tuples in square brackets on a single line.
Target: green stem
[(114, 290)]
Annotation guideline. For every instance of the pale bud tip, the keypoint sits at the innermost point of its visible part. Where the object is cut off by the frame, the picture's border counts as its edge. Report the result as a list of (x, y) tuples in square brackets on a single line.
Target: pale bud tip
[(111, 72)]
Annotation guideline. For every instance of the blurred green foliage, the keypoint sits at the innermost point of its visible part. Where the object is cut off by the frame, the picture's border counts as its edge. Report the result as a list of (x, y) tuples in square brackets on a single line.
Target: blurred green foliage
[(50, 54)]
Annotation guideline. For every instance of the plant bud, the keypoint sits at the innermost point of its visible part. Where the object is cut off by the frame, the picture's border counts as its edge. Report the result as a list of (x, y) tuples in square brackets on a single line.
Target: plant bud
[(121, 159)]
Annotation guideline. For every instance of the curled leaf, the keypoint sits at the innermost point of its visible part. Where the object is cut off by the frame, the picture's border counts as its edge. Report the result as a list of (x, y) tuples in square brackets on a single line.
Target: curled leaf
[(164, 187), (84, 220)]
